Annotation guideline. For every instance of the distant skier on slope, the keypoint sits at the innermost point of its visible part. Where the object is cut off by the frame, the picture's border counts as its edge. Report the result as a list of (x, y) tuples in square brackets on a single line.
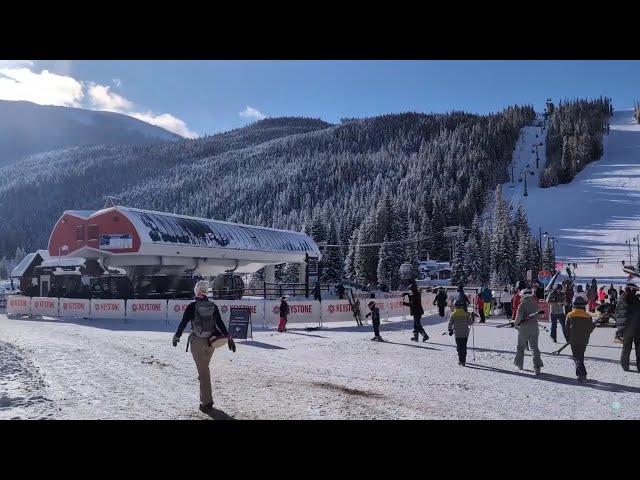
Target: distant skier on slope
[(375, 321), (208, 332), (441, 301), (579, 328), (459, 323), (628, 325), (415, 307), (528, 331)]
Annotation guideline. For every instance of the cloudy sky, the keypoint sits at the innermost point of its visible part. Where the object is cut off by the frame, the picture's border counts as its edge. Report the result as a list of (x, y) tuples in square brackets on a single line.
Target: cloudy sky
[(193, 98)]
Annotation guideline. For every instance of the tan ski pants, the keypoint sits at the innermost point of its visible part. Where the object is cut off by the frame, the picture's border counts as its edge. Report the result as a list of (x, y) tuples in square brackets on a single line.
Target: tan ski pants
[(202, 353)]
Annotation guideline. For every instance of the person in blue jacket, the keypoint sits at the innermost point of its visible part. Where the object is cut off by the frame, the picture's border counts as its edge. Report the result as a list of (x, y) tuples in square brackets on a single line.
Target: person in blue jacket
[(488, 300)]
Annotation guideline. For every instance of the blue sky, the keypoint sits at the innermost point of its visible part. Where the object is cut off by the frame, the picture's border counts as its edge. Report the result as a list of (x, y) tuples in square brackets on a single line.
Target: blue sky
[(198, 97)]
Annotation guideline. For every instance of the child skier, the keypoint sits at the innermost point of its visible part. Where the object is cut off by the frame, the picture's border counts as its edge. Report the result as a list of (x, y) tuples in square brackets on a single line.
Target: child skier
[(415, 307), (459, 324), (284, 312), (579, 328), (441, 301), (375, 321)]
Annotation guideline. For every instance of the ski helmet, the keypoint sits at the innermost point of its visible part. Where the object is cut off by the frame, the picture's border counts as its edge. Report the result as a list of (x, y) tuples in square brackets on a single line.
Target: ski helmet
[(579, 302)]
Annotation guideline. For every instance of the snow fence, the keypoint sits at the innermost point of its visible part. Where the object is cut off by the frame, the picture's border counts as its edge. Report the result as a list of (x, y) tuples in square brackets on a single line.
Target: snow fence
[(263, 312)]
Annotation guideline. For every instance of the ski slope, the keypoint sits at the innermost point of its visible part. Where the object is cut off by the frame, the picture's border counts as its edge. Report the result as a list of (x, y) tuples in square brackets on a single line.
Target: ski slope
[(593, 216)]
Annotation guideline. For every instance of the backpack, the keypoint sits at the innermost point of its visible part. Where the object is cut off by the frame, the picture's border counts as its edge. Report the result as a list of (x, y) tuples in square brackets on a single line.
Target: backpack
[(203, 324)]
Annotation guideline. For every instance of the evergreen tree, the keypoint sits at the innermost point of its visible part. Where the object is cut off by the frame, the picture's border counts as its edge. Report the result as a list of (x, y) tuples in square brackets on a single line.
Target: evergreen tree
[(331, 262), (411, 252), (349, 264), (459, 273), (473, 268), (291, 273), (4, 271)]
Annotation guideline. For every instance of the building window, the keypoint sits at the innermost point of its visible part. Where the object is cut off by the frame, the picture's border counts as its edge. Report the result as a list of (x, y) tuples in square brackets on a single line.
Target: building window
[(80, 233), (93, 232)]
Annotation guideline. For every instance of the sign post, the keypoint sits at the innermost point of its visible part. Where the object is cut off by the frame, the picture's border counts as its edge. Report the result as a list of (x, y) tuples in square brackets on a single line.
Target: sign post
[(239, 322), (545, 277)]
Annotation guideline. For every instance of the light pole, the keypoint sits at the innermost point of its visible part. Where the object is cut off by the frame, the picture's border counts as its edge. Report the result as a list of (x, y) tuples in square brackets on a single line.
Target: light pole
[(628, 242), (637, 240), (540, 232), (525, 194)]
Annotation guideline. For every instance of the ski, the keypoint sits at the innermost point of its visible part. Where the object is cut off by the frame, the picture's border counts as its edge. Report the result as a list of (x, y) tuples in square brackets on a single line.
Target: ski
[(557, 352), (502, 325)]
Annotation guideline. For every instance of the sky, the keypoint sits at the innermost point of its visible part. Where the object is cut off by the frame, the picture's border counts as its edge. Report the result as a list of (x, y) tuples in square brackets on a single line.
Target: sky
[(194, 98)]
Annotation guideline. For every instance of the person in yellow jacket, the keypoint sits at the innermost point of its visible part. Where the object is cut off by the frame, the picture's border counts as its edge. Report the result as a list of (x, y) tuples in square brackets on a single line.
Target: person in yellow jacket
[(579, 326)]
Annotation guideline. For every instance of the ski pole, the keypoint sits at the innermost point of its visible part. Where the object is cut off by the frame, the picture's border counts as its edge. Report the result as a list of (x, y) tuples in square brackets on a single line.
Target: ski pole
[(473, 338)]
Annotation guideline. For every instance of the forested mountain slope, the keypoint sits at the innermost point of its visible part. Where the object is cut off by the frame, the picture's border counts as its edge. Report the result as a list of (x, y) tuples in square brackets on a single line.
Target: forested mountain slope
[(27, 128), (277, 172)]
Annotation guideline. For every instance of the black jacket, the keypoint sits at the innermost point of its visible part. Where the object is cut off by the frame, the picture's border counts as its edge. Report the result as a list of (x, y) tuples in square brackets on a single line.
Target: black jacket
[(415, 304), (284, 309), (441, 299), (374, 314), (189, 315)]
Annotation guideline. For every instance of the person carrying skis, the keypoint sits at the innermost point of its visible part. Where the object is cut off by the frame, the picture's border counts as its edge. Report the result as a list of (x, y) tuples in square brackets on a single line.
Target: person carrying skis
[(415, 307), (628, 325), (487, 296), (505, 298), (528, 330), (459, 323), (480, 306), (208, 332), (441, 301), (556, 301), (592, 296), (284, 313), (579, 328), (375, 321)]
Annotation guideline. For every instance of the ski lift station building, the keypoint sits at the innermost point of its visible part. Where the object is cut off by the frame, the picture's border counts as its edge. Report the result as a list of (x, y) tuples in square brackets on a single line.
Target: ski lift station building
[(145, 242)]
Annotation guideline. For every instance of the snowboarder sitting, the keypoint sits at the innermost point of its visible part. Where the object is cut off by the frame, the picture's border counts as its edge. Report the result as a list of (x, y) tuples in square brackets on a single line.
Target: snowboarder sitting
[(579, 327), (284, 312), (375, 321), (528, 330), (441, 301), (208, 332), (459, 323)]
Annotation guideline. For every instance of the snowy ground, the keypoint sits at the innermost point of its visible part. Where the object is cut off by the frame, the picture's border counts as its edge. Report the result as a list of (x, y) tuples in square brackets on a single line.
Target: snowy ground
[(595, 214), (115, 370)]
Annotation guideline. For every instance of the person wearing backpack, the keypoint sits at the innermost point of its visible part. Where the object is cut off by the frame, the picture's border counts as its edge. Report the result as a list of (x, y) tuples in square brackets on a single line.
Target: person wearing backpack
[(208, 332)]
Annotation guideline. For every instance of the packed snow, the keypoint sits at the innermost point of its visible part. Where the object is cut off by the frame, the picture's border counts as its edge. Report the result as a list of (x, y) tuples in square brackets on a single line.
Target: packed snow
[(595, 214), (116, 370)]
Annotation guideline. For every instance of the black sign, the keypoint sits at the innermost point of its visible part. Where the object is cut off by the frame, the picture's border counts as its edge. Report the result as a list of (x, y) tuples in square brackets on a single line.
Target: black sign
[(239, 321)]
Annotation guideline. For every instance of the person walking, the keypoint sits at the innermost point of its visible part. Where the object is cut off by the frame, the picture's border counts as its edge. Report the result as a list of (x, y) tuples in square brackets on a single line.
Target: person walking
[(480, 306), (613, 296), (415, 307), (505, 298), (459, 323), (441, 301), (528, 330), (628, 325), (487, 296), (568, 296), (208, 332), (284, 313), (462, 296), (602, 296), (375, 321), (556, 301), (579, 328)]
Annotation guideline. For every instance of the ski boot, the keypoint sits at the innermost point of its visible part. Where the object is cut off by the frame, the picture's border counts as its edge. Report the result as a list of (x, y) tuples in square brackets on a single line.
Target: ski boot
[(536, 370), (461, 364), (425, 337), (380, 339), (414, 338), (581, 378), (520, 367), (207, 409)]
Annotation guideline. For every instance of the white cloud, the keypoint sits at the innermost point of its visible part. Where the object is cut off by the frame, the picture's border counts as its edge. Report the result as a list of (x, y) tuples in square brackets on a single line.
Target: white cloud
[(252, 113), (166, 121), (18, 81), (103, 99), (45, 88)]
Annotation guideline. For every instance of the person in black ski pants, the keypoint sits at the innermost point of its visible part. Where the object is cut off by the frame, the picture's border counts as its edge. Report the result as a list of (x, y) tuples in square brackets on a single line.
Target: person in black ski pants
[(415, 307), (375, 321), (441, 301)]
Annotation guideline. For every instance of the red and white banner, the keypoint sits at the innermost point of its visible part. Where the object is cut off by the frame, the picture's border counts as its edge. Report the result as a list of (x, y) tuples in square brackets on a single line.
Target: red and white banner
[(18, 305), (299, 311), (44, 306), (176, 308), (107, 309), (337, 310), (75, 308), (255, 306), (147, 309)]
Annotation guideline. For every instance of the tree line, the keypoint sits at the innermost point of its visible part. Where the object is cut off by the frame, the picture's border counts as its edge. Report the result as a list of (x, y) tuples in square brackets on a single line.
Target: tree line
[(574, 137)]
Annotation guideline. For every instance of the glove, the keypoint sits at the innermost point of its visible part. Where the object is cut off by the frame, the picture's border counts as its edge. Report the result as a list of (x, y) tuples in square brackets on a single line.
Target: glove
[(232, 345), (450, 332), (175, 341)]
